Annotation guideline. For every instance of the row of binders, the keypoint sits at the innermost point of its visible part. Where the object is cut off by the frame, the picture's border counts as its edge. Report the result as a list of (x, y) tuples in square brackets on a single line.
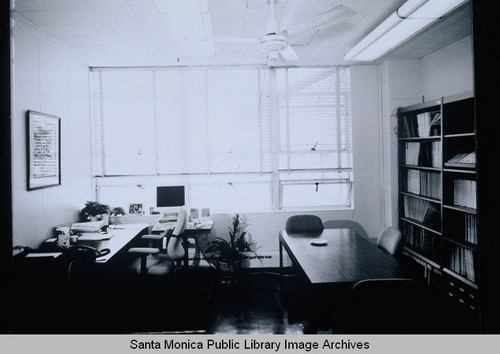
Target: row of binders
[(462, 262), (427, 184), (422, 211), (470, 228), (423, 154), (421, 240), (464, 193), (424, 125)]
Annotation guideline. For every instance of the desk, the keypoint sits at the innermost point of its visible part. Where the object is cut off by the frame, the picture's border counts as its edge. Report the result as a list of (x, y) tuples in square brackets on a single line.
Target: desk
[(123, 235), (347, 258)]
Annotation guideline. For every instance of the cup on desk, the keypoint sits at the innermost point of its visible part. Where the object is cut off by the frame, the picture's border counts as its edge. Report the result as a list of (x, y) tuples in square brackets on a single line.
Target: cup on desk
[(73, 240), (63, 240)]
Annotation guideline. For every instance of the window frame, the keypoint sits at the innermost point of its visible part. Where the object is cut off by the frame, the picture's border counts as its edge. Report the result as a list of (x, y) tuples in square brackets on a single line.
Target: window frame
[(276, 183)]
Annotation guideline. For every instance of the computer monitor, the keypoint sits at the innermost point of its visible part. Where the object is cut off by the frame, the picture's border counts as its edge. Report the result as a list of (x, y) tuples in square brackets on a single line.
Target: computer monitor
[(170, 196)]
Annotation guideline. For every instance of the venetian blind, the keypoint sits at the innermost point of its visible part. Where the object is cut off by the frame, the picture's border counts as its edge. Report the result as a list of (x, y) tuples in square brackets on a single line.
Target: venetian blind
[(315, 120), (221, 120)]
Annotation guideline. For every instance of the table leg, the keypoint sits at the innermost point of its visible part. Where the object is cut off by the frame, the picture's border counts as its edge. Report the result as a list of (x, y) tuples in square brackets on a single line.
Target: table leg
[(281, 276), (185, 244)]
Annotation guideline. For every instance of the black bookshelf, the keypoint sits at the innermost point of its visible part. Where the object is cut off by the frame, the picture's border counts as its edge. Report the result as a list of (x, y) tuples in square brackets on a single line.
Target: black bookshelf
[(437, 197)]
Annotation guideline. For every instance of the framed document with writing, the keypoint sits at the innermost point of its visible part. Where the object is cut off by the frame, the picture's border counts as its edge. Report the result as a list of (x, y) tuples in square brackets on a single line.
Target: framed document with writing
[(44, 150)]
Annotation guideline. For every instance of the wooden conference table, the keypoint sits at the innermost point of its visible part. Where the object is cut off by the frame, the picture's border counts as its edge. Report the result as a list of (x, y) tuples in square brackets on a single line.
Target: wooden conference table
[(346, 258)]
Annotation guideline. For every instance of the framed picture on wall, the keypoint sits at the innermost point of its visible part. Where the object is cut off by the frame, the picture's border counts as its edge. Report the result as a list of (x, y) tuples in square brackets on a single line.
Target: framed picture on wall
[(135, 208), (43, 150)]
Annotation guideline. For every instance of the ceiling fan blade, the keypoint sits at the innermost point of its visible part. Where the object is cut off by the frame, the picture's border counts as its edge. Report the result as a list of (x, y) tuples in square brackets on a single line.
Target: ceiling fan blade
[(340, 11), (288, 54)]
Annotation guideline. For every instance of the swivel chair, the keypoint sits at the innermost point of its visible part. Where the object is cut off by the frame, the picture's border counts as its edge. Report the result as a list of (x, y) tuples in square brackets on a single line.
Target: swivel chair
[(390, 240), (164, 249), (298, 224)]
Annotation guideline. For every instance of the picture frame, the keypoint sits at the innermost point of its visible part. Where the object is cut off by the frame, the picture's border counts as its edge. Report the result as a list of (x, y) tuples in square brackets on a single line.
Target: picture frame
[(43, 150), (135, 208)]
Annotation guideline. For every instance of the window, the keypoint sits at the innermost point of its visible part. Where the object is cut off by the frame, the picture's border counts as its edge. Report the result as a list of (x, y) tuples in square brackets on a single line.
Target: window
[(246, 139)]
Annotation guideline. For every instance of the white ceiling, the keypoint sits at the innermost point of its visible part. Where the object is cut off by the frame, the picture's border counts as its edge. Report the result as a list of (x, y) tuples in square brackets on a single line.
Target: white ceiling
[(202, 32)]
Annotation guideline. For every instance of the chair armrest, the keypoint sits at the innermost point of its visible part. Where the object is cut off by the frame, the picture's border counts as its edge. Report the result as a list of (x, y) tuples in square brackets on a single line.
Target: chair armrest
[(152, 237), (144, 250)]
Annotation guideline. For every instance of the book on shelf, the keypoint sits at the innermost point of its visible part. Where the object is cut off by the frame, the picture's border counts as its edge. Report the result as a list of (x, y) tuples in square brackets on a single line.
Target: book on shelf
[(436, 125), (410, 129), (464, 193), (470, 229), (430, 154), (422, 211), (465, 160), (424, 183), (428, 124), (462, 262), (412, 152), (424, 124), (420, 240)]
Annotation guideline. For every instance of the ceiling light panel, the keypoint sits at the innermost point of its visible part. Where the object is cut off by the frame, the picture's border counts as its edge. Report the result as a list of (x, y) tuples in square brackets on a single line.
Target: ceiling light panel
[(410, 18), (401, 32)]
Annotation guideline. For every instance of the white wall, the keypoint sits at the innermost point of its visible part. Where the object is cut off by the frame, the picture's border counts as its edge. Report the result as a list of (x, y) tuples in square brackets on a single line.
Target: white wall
[(367, 148), (47, 81), (448, 71)]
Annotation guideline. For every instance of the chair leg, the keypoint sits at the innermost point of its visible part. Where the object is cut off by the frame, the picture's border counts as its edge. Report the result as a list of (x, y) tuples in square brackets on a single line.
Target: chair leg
[(144, 264)]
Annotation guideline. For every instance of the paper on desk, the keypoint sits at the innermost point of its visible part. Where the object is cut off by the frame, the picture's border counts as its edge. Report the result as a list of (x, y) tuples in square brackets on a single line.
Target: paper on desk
[(45, 254), (94, 237)]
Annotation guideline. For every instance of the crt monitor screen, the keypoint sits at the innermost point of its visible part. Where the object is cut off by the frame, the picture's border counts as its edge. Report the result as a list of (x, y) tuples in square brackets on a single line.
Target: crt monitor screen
[(170, 196)]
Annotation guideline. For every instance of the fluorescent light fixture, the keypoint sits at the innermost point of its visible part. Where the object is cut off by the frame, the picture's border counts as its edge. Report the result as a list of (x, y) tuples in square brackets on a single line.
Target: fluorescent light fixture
[(409, 19)]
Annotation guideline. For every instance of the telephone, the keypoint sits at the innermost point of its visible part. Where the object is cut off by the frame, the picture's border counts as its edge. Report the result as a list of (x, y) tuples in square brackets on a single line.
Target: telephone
[(86, 252)]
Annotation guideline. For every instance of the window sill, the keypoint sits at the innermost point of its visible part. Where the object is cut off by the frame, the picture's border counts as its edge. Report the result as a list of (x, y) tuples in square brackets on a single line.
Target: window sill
[(287, 210)]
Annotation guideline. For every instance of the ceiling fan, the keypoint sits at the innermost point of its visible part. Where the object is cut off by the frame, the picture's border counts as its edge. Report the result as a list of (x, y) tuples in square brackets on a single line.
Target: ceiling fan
[(277, 44)]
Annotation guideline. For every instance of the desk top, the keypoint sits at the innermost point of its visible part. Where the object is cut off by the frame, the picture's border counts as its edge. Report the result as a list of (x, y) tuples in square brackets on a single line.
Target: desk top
[(121, 236), (347, 257)]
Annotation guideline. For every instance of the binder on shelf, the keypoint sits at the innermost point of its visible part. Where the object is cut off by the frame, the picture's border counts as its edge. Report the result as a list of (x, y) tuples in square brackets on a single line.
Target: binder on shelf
[(464, 160), (464, 193), (422, 211)]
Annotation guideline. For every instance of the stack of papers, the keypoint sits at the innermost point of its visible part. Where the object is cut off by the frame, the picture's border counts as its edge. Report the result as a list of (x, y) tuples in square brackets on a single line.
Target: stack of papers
[(94, 237), (90, 226)]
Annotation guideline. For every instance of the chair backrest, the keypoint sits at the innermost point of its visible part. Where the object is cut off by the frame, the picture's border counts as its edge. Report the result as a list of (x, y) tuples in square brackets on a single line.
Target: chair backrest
[(346, 224), (386, 306), (390, 239), (180, 225), (175, 249), (303, 223)]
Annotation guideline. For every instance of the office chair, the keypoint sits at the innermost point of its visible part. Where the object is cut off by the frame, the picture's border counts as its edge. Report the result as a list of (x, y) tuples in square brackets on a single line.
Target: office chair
[(346, 224), (167, 248), (390, 240), (387, 306), (298, 224)]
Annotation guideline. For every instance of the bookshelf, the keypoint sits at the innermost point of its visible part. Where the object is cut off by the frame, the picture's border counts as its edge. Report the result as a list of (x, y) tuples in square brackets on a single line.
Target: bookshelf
[(437, 196)]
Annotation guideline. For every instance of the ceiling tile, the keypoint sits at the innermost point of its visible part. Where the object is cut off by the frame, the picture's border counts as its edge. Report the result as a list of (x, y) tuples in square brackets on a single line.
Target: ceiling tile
[(30, 5), (45, 18), (65, 5), (228, 18), (182, 7)]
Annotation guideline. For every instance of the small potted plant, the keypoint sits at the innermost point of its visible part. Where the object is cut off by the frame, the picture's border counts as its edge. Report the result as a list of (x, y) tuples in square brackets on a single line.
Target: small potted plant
[(229, 254), (94, 211), (117, 211)]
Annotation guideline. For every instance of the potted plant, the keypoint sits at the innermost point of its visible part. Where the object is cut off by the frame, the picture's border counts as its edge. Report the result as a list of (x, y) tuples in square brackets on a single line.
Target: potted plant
[(117, 211), (229, 254), (94, 211)]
